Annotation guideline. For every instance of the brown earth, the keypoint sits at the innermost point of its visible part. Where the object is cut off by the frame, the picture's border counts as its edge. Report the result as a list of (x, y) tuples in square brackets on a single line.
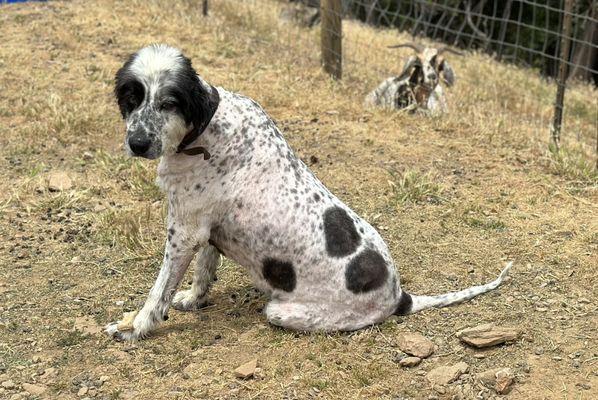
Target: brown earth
[(454, 197)]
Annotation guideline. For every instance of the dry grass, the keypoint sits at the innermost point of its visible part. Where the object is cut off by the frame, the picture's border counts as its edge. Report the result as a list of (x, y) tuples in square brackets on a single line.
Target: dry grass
[(79, 252)]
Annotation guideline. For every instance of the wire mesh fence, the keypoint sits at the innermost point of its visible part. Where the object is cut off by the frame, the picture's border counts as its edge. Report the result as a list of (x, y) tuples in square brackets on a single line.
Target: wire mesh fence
[(514, 53)]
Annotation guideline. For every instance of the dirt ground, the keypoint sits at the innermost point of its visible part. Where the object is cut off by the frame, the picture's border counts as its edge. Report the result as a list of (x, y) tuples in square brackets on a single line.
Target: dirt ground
[(454, 197)]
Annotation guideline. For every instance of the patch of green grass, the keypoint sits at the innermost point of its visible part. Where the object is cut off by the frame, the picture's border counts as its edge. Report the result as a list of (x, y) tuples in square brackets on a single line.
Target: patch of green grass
[(71, 338), (416, 187), (138, 175), (486, 223), (63, 200), (572, 164), (125, 227)]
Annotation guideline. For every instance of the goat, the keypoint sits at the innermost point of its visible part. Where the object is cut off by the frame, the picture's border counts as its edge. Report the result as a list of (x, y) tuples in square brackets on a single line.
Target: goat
[(302, 12), (418, 85)]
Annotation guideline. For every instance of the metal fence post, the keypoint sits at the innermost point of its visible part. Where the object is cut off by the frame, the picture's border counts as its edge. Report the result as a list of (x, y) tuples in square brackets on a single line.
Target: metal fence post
[(331, 35), (204, 8), (565, 43)]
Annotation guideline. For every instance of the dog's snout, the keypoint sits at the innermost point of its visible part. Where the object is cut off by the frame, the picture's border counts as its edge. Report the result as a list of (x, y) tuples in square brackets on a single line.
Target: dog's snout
[(432, 76), (139, 144)]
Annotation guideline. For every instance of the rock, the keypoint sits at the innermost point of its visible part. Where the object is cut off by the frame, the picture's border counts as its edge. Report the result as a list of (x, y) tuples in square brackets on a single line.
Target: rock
[(504, 380), (83, 391), (410, 361), (447, 374), (9, 384), (246, 370), (500, 379), (104, 378), (59, 181), (488, 335), (34, 390), (415, 344)]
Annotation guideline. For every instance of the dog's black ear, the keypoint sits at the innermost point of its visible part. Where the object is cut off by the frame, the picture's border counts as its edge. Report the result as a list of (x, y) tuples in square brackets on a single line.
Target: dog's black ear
[(128, 90), (194, 98)]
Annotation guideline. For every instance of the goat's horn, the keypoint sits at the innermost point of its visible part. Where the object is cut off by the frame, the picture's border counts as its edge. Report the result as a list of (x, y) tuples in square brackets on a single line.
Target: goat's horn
[(413, 46), (448, 50)]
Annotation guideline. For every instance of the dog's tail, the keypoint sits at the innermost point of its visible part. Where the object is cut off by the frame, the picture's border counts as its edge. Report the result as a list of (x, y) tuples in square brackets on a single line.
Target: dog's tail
[(410, 304)]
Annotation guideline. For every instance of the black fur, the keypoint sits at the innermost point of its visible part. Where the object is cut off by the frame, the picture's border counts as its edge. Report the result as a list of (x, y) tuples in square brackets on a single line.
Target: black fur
[(342, 238), (192, 99), (405, 303), (280, 274), (128, 90), (366, 272)]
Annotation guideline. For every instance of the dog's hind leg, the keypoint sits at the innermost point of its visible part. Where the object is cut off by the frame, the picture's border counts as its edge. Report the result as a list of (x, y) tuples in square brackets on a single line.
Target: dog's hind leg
[(321, 316), (208, 260)]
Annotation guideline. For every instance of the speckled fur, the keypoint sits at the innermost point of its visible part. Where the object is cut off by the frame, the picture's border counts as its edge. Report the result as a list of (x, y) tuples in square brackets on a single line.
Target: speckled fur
[(259, 205)]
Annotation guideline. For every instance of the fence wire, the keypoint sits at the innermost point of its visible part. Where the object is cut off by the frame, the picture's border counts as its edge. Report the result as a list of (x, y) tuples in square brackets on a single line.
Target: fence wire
[(524, 35)]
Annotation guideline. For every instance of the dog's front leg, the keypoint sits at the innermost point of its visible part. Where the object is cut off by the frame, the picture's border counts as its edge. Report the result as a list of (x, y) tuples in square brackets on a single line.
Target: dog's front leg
[(178, 254)]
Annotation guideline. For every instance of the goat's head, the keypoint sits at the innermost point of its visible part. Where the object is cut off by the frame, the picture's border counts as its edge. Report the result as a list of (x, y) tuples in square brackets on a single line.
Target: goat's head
[(428, 66)]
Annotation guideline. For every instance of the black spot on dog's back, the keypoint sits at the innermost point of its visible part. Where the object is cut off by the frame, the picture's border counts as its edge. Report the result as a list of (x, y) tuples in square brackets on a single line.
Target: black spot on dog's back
[(342, 238), (405, 302), (366, 272), (280, 274)]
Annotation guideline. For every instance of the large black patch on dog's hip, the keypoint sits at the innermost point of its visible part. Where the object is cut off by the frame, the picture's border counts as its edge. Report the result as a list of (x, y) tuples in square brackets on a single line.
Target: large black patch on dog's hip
[(280, 274), (342, 238), (367, 271)]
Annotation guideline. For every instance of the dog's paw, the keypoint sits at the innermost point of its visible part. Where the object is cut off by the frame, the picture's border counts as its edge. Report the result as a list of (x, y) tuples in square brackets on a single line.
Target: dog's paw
[(186, 300), (124, 330)]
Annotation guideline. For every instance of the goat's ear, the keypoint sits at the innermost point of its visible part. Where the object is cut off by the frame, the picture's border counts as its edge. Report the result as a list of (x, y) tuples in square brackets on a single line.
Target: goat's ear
[(447, 72), (406, 73)]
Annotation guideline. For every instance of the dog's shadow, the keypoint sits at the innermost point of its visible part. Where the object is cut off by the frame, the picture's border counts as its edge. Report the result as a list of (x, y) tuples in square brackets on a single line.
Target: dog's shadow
[(237, 306)]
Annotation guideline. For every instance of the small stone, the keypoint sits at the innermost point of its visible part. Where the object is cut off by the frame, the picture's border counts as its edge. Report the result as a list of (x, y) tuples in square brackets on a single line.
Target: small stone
[(410, 362), (487, 335), (538, 351), (104, 378), (36, 359), (447, 374), (82, 391), (415, 344), (246, 370), (59, 181), (9, 384), (504, 380), (500, 379), (119, 303), (35, 390)]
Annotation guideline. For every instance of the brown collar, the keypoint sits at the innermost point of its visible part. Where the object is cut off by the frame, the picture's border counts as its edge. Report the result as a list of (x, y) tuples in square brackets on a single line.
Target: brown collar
[(194, 133)]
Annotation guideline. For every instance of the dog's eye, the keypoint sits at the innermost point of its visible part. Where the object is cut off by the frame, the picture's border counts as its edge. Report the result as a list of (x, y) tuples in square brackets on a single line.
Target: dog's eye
[(168, 106)]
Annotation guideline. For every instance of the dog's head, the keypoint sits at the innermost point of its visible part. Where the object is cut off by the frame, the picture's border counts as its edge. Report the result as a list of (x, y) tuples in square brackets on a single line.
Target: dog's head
[(161, 98)]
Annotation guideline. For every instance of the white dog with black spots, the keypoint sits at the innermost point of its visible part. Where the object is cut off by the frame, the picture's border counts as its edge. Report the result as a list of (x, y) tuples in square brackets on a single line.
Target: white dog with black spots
[(249, 198)]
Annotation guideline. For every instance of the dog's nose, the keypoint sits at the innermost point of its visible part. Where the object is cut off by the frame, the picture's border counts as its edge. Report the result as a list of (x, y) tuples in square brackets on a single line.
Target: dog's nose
[(432, 77), (139, 144)]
